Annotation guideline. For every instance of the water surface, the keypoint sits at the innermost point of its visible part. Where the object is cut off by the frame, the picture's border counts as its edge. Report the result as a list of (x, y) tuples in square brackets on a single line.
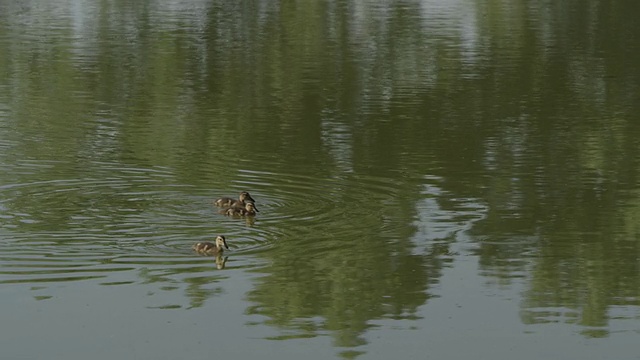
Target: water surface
[(452, 178)]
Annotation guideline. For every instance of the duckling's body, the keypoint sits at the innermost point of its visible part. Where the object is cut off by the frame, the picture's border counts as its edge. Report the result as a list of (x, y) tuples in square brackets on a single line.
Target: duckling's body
[(249, 209), (208, 248), (242, 200)]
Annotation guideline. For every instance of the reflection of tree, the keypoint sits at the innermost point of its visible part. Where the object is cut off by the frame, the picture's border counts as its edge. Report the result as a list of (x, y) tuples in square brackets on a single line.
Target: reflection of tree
[(586, 267), (562, 210), (317, 284), (198, 288)]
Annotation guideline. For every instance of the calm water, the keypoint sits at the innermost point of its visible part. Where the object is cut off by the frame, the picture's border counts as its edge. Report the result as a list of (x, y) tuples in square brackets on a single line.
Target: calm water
[(453, 178)]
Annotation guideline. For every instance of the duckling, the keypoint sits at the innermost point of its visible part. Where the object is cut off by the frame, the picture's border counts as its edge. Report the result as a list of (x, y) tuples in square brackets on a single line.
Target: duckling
[(207, 248), (243, 199), (248, 210)]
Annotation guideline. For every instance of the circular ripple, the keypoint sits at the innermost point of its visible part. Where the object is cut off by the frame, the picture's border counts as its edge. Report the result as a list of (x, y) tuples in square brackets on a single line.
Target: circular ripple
[(70, 229), (125, 218), (306, 208)]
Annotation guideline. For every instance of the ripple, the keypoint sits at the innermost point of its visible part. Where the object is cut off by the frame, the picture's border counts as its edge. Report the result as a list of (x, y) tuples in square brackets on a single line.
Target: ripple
[(120, 219), (116, 220), (308, 209), (301, 198)]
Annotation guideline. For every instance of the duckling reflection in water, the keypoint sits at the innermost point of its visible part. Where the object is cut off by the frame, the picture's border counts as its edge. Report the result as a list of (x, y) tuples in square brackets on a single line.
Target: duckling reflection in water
[(248, 210), (242, 200), (208, 248), (221, 261)]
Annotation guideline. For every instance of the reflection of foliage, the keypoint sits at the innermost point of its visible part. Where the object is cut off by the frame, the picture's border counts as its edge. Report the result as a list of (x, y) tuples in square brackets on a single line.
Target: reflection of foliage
[(568, 220), (317, 285), (198, 287), (197, 291)]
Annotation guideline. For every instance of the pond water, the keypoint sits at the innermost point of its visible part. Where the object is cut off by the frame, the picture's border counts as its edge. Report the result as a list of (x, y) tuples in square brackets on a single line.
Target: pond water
[(446, 179)]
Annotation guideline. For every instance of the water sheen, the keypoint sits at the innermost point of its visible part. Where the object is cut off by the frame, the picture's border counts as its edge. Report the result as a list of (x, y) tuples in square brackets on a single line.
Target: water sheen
[(457, 178)]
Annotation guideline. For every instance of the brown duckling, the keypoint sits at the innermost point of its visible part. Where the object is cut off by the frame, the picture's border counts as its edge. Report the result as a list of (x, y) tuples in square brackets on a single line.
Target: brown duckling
[(243, 199), (248, 210), (208, 248)]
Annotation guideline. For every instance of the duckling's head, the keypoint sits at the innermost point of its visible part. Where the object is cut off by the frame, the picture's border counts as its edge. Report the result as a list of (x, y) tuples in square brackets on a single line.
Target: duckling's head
[(221, 241), (251, 207), (244, 196)]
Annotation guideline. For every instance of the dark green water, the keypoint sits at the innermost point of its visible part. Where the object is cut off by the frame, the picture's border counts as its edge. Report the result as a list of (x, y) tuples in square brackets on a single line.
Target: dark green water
[(453, 178)]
